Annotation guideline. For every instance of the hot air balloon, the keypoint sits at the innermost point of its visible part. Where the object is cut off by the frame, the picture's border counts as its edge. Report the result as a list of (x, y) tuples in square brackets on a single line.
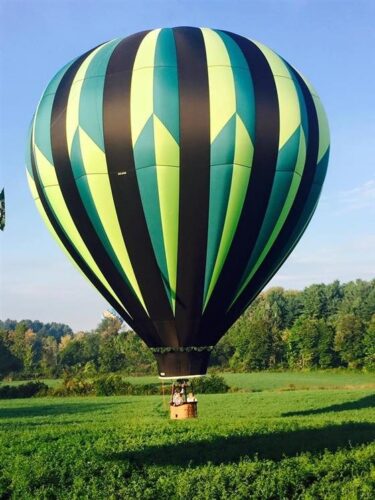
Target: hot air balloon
[(178, 168)]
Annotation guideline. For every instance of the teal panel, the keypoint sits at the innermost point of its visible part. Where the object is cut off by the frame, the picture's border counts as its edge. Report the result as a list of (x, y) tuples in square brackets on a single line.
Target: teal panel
[(287, 157), (165, 51), (166, 95), (42, 135), (91, 98), (166, 99), (220, 183), (222, 149), (76, 160), (148, 187), (280, 189), (321, 169), (144, 148), (55, 82), (244, 88), (301, 100)]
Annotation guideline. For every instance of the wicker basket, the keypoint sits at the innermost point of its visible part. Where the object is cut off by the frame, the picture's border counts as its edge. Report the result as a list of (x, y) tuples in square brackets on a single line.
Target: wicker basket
[(186, 410)]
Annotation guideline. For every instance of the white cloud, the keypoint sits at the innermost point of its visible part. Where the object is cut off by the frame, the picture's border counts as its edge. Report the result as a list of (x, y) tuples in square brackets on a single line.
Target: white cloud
[(359, 198), (345, 260)]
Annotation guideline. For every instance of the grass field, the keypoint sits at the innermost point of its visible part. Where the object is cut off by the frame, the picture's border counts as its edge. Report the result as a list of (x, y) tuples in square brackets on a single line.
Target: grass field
[(302, 443)]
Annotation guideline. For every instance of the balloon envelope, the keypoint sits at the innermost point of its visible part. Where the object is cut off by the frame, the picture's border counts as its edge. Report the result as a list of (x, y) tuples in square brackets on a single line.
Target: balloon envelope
[(178, 168)]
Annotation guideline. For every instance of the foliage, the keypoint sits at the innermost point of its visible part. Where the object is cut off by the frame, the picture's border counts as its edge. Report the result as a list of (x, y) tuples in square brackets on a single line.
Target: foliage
[(322, 326), (23, 391), (212, 384), (349, 339)]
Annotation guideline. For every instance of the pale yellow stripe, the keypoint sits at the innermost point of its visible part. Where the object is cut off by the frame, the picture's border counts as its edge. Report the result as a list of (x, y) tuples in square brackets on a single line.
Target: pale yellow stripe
[(167, 152), (221, 82), (277, 65), (141, 91), (95, 165), (72, 110), (31, 182), (101, 193), (289, 110), (93, 157), (290, 116), (168, 188), (244, 149), (46, 171)]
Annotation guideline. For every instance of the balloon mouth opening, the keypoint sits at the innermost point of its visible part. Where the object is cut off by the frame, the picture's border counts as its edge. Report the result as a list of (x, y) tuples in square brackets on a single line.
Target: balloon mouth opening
[(182, 362)]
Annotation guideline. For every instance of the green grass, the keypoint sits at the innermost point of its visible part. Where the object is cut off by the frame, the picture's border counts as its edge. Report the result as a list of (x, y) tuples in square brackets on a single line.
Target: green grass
[(265, 381), (316, 443)]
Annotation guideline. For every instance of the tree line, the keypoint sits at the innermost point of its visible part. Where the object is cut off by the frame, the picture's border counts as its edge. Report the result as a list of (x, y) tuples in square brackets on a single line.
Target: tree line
[(322, 326)]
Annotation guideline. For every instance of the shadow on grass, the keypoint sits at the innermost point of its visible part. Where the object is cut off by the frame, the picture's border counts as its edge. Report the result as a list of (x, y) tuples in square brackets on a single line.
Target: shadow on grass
[(52, 409), (275, 446), (359, 404)]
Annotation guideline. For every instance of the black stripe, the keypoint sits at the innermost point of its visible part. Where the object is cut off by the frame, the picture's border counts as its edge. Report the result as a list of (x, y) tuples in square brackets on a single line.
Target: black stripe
[(263, 275), (194, 181), (77, 209), (71, 249), (125, 189), (262, 175)]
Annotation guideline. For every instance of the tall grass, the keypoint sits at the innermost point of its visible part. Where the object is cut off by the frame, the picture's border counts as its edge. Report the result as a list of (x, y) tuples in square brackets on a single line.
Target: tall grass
[(270, 444)]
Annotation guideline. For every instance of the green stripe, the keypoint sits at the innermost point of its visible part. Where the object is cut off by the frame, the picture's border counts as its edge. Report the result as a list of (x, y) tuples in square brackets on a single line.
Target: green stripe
[(222, 224), (222, 154), (145, 165), (166, 107), (148, 187), (289, 170), (91, 120), (91, 100), (244, 88), (42, 136), (166, 97)]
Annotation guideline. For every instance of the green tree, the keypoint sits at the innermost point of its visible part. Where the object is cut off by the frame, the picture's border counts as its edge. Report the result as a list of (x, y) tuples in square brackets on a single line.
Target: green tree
[(256, 348), (29, 350), (18, 341), (358, 299), (369, 345), (310, 344), (349, 340), (48, 360), (314, 301), (294, 307), (8, 362)]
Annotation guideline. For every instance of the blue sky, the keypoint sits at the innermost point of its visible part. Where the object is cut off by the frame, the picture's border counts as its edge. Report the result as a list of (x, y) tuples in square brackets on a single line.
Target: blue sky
[(331, 42)]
